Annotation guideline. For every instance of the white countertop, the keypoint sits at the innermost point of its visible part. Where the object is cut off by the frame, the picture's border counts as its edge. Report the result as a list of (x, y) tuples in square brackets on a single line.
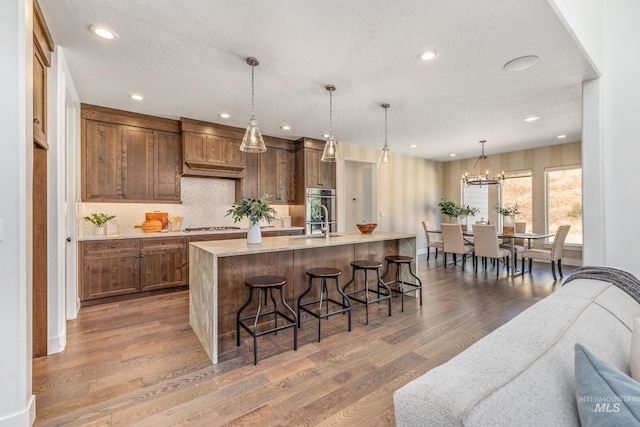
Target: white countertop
[(284, 243), (138, 233)]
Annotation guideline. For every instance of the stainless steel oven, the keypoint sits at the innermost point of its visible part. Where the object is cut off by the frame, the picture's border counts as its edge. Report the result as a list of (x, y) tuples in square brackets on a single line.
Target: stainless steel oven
[(315, 215)]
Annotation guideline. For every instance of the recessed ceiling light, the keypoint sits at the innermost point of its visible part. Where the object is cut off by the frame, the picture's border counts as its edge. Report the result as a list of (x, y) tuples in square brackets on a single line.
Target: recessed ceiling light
[(413, 145), (326, 135), (427, 55), (225, 115), (531, 119), (562, 136), (102, 32), (136, 97), (285, 127), (452, 155), (521, 63)]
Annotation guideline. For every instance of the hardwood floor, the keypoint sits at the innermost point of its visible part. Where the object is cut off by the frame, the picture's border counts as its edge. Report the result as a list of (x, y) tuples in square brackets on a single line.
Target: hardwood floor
[(137, 362)]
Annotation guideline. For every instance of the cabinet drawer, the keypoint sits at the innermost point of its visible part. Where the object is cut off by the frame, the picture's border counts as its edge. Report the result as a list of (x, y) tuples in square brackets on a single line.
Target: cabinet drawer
[(225, 236), (102, 246), (162, 243)]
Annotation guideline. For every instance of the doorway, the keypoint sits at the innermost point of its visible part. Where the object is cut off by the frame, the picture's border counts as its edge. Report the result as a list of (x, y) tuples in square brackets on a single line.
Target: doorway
[(359, 194)]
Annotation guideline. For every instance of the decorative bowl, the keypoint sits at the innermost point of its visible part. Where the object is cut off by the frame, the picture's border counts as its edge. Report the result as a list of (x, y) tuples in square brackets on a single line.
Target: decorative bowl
[(366, 228)]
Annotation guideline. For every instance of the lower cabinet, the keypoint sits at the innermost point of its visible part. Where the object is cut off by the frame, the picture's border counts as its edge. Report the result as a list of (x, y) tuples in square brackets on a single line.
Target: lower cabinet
[(116, 267)]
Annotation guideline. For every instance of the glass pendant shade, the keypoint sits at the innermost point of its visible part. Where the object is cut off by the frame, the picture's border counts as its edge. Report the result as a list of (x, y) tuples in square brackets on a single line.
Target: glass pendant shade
[(483, 172), (385, 155), (330, 152), (252, 141)]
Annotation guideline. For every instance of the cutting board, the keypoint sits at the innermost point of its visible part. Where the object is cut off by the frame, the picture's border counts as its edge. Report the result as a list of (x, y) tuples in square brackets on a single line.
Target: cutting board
[(163, 217)]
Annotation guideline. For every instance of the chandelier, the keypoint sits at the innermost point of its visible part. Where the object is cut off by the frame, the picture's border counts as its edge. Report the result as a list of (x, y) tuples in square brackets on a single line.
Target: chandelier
[(483, 172)]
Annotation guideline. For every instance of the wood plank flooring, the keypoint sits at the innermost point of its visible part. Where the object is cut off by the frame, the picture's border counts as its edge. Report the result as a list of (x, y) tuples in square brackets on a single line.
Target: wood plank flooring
[(138, 363)]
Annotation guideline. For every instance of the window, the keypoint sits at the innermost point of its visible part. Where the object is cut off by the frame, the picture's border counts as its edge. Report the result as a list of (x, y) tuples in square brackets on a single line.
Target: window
[(564, 201), (517, 189)]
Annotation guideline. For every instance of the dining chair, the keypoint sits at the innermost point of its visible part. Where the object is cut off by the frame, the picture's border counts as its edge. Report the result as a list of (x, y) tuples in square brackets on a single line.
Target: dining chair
[(433, 240), (453, 243), (485, 238), (554, 255), (518, 244)]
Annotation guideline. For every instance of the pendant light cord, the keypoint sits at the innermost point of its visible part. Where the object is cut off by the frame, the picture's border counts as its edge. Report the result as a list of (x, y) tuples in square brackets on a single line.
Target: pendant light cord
[(385, 127), (331, 113), (253, 108)]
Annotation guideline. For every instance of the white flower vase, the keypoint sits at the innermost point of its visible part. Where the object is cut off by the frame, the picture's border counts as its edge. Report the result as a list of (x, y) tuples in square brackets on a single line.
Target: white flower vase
[(508, 225), (254, 237), (100, 231)]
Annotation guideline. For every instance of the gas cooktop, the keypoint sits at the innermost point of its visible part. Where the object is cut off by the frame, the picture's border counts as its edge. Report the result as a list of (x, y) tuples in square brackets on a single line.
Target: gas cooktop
[(214, 228)]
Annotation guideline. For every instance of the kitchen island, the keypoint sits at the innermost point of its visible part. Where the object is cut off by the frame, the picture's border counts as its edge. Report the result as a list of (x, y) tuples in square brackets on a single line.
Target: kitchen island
[(218, 270)]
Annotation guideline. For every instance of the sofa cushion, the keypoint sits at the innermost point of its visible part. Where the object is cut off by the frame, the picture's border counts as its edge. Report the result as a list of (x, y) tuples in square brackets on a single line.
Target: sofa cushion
[(634, 357), (605, 395)]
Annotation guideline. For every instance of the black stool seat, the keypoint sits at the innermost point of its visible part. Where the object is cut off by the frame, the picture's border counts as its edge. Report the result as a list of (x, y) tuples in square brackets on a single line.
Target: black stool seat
[(366, 266), (324, 273), (266, 284), (265, 281), (402, 286), (399, 259)]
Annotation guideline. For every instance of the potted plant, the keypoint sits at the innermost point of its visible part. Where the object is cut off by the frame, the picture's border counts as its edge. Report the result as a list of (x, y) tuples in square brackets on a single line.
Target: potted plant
[(255, 210), (464, 212), (449, 208), (509, 217), (99, 220)]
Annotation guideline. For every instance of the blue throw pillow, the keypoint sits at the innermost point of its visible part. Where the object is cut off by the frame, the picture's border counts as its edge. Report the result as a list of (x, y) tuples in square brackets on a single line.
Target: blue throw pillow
[(606, 396)]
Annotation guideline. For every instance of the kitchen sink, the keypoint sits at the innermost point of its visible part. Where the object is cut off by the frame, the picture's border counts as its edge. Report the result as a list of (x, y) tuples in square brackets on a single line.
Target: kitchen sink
[(315, 236)]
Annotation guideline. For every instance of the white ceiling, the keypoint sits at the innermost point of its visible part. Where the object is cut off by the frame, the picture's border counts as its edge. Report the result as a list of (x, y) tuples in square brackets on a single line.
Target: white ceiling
[(188, 59)]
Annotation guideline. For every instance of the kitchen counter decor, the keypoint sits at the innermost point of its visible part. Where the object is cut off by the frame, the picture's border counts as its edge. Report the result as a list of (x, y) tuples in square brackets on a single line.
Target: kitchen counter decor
[(366, 228), (255, 210), (99, 220)]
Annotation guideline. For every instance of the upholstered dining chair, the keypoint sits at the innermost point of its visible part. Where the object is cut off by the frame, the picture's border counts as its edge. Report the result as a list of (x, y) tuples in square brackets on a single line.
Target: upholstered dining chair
[(554, 255), (453, 243), (518, 244), (485, 241), (433, 240)]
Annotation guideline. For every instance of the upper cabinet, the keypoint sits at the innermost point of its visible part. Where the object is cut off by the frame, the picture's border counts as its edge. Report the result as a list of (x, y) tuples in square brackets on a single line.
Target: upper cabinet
[(278, 175), (211, 150), (128, 157), (314, 172), (42, 48)]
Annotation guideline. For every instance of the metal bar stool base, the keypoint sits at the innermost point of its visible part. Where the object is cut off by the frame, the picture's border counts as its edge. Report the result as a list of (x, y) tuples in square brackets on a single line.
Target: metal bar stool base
[(365, 265), (399, 261)]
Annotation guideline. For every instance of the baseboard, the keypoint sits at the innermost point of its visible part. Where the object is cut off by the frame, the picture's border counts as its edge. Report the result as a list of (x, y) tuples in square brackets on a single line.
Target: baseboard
[(57, 344), (25, 417), (422, 251), (572, 262)]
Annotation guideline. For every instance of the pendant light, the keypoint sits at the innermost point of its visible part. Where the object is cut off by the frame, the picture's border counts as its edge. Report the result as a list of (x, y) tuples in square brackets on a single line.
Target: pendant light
[(385, 156), (483, 172), (330, 152), (252, 141)]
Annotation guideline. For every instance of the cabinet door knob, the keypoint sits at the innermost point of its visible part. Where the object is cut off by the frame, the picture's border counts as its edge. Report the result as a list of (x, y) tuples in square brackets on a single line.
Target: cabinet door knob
[(36, 121), (113, 246)]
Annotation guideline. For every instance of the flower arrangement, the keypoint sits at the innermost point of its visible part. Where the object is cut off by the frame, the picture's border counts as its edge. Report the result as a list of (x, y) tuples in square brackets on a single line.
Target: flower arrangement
[(510, 211), (98, 219), (254, 209), (453, 209)]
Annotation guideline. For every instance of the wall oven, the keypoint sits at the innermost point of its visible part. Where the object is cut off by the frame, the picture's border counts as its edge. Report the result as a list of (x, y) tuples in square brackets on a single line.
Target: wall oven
[(315, 215)]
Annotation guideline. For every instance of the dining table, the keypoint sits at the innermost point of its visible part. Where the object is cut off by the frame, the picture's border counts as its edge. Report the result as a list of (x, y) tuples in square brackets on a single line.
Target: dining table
[(513, 270)]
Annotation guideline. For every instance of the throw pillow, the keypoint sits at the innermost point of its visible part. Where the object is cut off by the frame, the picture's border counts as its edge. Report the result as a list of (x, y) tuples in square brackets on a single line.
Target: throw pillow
[(606, 396), (634, 358)]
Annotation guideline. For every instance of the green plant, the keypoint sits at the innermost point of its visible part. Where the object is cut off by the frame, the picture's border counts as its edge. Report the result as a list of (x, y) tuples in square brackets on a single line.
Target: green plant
[(468, 211), (511, 211), (449, 208), (254, 209), (99, 219)]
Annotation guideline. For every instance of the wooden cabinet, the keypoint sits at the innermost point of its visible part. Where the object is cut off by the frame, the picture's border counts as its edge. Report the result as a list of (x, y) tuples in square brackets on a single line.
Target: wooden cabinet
[(318, 173), (126, 163), (277, 175), (109, 268), (117, 267), (164, 263), (211, 150), (42, 48)]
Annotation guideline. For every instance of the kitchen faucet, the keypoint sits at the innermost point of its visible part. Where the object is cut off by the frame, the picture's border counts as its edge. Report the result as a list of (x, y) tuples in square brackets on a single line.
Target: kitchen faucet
[(324, 229)]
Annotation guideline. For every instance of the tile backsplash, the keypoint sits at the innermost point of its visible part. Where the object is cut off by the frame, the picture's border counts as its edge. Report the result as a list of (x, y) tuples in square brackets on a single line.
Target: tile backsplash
[(205, 202)]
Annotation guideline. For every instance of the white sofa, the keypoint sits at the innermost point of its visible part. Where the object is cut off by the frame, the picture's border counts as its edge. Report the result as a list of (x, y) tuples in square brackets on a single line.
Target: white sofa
[(522, 374)]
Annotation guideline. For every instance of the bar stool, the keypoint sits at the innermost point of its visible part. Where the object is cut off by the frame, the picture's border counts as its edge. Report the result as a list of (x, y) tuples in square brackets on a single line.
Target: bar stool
[(324, 273), (366, 266), (264, 284), (399, 261)]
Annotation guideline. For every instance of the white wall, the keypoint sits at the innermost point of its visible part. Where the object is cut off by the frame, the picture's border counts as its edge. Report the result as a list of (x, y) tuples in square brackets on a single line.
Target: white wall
[(609, 32), (17, 407)]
